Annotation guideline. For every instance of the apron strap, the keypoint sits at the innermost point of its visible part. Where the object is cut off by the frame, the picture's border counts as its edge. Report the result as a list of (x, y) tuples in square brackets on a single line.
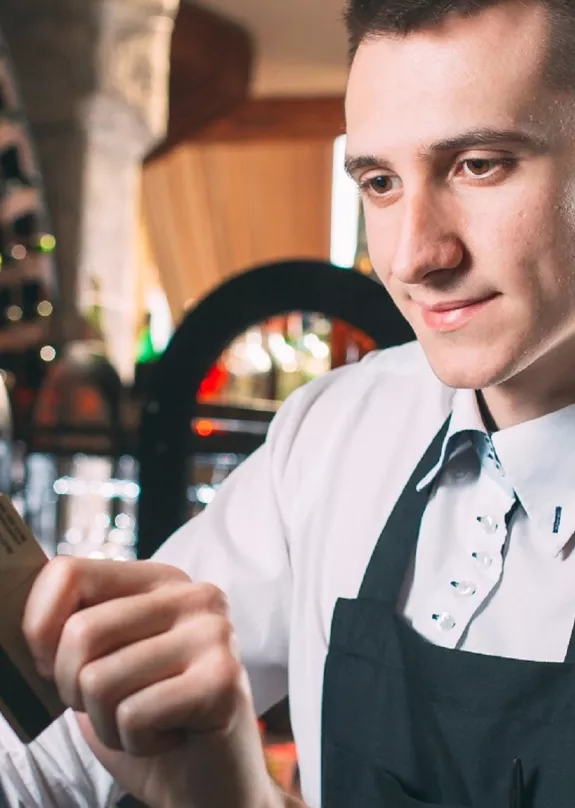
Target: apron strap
[(570, 656), (392, 555)]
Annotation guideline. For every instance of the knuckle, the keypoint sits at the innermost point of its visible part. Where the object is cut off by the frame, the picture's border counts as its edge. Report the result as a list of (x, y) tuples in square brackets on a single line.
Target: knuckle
[(205, 633), (168, 574), (65, 570), (59, 575), (223, 632), (225, 671), (93, 685), (34, 630), (70, 694), (224, 693), (187, 598), (78, 633), (128, 719), (213, 599)]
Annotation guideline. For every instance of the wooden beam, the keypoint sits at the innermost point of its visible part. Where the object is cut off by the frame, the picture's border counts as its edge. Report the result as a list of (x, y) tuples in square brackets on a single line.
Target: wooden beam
[(210, 72), (278, 119)]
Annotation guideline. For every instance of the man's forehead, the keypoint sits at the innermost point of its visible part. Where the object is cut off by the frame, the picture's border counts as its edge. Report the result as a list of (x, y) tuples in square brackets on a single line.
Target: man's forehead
[(430, 85), (515, 23), (493, 47)]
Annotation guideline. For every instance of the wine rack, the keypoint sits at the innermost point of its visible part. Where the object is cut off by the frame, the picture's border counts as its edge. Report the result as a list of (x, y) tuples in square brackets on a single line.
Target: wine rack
[(27, 245)]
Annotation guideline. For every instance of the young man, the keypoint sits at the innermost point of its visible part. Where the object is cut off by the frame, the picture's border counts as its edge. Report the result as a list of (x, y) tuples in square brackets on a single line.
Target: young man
[(431, 664)]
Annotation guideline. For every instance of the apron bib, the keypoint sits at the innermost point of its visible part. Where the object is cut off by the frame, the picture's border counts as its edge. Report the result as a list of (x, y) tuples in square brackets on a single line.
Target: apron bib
[(409, 724)]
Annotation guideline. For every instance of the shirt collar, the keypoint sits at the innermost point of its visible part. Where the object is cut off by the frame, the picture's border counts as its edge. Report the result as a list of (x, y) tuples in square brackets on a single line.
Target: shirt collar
[(465, 423), (539, 459)]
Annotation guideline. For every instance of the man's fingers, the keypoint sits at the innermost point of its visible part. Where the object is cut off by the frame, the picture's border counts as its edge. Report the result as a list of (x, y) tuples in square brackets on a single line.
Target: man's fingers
[(105, 683), (101, 685), (101, 630), (202, 700), (66, 585), (144, 652)]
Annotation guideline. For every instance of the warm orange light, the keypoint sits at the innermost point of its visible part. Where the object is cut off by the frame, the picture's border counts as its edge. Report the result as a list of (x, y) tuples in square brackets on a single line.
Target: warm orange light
[(204, 428)]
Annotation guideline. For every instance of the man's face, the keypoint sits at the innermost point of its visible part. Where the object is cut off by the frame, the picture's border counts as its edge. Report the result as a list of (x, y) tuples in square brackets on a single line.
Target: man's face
[(466, 158)]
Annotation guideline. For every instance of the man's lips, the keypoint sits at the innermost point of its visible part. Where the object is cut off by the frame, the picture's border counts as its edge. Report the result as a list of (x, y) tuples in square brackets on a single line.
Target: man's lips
[(453, 314)]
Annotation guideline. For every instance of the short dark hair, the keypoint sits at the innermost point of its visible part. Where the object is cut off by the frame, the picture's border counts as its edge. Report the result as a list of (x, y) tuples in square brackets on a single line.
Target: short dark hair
[(368, 19)]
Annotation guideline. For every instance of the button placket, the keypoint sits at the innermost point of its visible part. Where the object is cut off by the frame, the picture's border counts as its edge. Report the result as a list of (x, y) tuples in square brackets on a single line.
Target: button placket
[(463, 584), (473, 578), (489, 537), (484, 557), (454, 603)]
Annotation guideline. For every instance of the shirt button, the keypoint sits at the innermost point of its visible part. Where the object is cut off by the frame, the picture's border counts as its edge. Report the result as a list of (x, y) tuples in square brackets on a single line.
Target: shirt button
[(488, 524), (484, 559), (464, 588), (445, 621)]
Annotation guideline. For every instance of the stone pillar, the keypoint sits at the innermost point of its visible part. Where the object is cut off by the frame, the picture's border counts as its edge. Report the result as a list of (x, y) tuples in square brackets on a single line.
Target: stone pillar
[(93, 76)]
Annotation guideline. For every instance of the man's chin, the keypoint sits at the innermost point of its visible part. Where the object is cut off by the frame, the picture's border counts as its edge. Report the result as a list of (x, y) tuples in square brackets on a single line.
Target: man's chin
[(475, 369)]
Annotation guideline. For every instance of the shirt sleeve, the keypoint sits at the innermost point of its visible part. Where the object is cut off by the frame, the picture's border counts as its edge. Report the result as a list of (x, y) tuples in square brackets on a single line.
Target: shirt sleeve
[(57, 770), (240, 544)]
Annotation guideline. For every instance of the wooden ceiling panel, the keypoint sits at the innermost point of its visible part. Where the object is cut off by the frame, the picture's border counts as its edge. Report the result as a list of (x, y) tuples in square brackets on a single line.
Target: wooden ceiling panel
[(210, 71), (278, 118)]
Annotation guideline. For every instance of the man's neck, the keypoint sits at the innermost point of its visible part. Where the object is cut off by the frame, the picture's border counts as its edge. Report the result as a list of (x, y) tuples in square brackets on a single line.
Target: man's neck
[(537, 391)]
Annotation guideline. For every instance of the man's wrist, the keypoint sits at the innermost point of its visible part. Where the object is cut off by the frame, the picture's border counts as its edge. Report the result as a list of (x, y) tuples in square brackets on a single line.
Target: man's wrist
[(279, 799)]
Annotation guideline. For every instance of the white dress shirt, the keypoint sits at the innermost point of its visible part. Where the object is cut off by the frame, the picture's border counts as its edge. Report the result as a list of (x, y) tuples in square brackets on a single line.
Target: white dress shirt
[(294, 527)]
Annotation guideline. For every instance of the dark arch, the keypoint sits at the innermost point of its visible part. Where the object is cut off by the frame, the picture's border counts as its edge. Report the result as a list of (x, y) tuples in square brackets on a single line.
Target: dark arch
[(206, 331)]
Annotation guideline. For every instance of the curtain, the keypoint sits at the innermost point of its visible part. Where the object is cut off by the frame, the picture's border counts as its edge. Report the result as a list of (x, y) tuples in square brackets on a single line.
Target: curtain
[(213, 210)]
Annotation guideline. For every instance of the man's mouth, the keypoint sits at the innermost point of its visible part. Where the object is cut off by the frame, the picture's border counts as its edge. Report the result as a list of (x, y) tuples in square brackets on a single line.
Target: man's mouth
[(452, 315)]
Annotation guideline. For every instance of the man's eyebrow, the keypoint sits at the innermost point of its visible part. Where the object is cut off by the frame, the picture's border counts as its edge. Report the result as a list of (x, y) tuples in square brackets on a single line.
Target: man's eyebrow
[(467, 140), (354, 164), (491, 137)]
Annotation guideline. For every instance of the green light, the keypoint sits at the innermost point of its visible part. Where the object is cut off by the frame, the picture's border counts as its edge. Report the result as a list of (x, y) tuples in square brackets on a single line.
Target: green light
[(47, 243)]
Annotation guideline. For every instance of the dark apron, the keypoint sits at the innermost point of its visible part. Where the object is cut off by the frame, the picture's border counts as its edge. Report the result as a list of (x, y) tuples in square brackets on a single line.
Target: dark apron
[(407, 723)]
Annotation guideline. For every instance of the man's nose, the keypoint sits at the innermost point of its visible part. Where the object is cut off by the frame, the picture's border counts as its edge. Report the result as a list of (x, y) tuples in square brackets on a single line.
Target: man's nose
[(427, 242)]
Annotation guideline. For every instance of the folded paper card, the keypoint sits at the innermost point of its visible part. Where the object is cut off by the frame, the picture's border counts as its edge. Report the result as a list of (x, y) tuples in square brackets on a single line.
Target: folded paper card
[(28, 702)]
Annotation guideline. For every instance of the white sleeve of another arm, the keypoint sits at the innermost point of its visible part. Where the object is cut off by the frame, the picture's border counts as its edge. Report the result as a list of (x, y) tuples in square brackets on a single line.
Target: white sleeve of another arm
[(239, 543), (58, 770)]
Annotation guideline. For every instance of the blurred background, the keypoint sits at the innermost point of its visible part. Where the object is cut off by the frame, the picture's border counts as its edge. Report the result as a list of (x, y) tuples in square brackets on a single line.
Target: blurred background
[(180, 249)]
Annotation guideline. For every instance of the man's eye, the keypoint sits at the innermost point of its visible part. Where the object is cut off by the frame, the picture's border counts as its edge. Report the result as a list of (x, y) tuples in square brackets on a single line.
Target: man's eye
[(379, 185), (481, 167)]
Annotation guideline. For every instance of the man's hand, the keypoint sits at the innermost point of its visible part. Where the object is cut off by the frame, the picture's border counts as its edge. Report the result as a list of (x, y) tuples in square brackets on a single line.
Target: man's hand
[(148, 660)]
